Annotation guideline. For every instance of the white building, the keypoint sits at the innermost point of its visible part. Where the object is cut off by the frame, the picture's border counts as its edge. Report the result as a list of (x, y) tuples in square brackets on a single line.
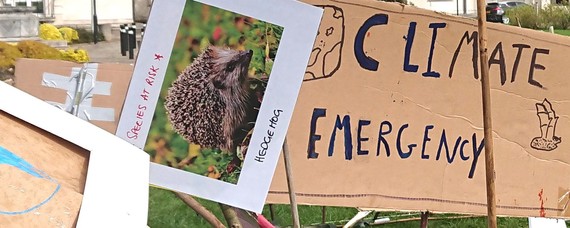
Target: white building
[(79, 12)]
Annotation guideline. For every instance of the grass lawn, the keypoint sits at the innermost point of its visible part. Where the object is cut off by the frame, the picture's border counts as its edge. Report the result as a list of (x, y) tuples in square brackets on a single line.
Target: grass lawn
[(166, 210), (562, 32)]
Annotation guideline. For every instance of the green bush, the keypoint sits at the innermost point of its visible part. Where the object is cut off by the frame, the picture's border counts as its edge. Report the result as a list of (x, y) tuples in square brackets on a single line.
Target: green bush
[(525, 16), (557, 16), (86, 36), (8, 55), (37, 50), (554, 15)]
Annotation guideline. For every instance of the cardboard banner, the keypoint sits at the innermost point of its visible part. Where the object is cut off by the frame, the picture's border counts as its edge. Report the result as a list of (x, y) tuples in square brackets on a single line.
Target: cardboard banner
[(91, 91), (42, 177), (390, 115)]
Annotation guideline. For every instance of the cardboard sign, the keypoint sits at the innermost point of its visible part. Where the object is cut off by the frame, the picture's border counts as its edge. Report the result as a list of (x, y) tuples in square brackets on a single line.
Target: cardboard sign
[(390, 115), (213, 91), (93, 91), (44, 177)]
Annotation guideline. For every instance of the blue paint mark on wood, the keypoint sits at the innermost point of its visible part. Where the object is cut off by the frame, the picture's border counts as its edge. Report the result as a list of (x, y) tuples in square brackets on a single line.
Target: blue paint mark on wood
[(8, 158)]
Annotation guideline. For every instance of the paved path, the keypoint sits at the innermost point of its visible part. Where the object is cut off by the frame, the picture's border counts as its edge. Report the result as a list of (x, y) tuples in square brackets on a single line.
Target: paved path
[(105, 52)]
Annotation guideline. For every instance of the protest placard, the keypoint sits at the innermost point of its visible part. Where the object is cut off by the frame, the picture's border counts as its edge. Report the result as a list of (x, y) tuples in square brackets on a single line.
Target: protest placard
[(59, 170), (390, 114), (94, 92), (213, 91)]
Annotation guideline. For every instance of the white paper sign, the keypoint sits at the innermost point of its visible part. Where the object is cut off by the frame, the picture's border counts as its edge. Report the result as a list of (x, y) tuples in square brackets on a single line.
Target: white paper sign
[(536, 222), (215, 79)]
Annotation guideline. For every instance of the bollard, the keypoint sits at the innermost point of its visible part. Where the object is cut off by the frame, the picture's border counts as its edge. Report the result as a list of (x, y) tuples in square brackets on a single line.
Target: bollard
[(143, 29), (134, 28), (131, 43), (124, 40), (142, 34)]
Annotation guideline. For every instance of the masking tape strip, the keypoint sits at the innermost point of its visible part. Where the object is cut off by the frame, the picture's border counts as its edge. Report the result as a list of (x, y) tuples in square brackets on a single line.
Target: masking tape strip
[(80, 87)]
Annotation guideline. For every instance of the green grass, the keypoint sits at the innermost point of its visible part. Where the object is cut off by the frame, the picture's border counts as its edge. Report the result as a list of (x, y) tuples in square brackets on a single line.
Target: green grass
[(563, 32), (464, 223), (166, 210), (309, 215)]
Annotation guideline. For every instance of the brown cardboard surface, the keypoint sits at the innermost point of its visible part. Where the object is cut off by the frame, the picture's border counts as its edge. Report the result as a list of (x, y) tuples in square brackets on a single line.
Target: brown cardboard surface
[(30, 74), (406, 110), (61, 163)]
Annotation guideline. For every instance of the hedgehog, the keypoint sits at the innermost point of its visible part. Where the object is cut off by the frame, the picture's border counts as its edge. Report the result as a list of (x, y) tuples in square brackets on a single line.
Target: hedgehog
[(208, 100)]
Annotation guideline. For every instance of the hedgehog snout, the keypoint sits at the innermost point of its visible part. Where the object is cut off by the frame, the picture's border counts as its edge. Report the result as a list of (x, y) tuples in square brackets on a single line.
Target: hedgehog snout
[(245, 56)]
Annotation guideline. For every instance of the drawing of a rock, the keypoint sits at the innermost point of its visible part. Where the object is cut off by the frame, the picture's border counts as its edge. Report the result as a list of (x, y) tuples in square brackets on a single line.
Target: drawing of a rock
[(326, 55), (548, 119)]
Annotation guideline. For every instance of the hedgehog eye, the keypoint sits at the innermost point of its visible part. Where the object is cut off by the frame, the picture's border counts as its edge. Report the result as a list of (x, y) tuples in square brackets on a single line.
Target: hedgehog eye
[(231, 67)]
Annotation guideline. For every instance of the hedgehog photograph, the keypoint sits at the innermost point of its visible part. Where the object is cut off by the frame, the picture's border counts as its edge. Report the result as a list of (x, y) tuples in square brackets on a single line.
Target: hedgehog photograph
[(212, 91), (207, 102)]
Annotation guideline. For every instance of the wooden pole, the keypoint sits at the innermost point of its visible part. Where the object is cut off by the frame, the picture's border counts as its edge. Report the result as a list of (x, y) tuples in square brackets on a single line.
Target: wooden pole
[(201, 210), (271, 213), (487, 120), (324, 215), (424, 219), (289, 173), (231, 216)]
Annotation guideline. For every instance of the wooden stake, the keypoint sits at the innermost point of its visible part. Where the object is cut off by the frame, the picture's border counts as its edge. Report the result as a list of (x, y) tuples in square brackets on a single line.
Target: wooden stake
[(487, 120), (231, 216), (424, 219), (289, 173), (201, 210), (324, 215), (271, 212)]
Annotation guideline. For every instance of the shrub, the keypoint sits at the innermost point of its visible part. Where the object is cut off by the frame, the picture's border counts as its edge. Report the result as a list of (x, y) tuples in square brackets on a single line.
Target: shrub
[(78, 35), (8, 55), (75, 55), (69, 34), (87, 36), (525, 16), (50, 32), (37, 50), (557, 16)]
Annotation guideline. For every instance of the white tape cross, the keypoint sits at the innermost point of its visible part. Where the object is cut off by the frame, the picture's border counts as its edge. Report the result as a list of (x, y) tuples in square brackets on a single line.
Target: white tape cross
[(81, 85)]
